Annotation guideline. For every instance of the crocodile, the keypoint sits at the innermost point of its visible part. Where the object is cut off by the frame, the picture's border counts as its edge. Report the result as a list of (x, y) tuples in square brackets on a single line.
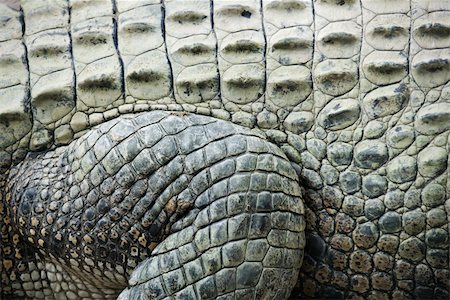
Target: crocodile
[(224, 149)]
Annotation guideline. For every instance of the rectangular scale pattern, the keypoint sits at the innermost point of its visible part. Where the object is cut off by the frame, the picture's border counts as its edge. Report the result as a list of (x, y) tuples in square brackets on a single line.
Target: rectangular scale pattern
[(241, 57), (52, 77), (14, 81), (249, 62), (191, 46), (147, 72), (289, 29), (97, 63), (336, 61)]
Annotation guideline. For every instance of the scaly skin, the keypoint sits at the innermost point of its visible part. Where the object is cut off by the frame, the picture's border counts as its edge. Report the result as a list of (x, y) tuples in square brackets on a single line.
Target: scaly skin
[(221, 203), (349, 108)]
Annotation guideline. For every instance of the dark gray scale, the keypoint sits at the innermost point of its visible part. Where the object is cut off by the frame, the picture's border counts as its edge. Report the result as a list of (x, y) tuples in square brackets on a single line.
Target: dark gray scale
[(153, 170)]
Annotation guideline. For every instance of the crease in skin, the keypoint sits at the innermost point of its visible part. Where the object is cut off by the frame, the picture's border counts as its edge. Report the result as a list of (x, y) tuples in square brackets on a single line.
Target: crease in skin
[(389, 31), (386, 67), (164, 35), (437, 30), (287, 5), (137, 27), (243, 46), (194, 49), (291, 44), (188, 17), (432, 65), (339, 37)]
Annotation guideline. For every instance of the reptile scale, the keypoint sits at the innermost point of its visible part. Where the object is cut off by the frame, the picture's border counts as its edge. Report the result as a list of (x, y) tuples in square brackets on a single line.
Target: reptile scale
[(197, 149)]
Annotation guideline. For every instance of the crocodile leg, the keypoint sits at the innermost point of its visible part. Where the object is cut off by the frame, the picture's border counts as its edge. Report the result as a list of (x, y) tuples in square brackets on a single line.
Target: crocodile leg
[(221, 205)]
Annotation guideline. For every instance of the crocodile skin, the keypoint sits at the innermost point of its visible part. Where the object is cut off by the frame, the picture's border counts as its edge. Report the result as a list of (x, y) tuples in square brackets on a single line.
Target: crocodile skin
[(225, 149)]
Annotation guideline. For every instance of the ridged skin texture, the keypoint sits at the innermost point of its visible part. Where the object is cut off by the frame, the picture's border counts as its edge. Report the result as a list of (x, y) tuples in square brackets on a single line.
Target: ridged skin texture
[(222, 205), (340, 106)]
